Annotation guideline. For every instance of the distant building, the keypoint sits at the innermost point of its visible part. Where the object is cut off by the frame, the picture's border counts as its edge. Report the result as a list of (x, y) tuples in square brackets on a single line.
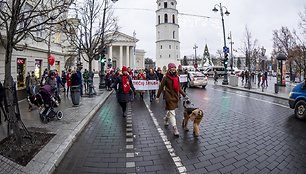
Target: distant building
[(167, 33), (122, 52)]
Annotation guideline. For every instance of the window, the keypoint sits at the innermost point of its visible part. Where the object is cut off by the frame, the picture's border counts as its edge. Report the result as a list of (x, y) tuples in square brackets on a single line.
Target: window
[(161, 47), (172, 3), (165, 5), (173, 19), (158, 19), (159, 4), (169, 55), (169, 46), (166, 18), (173, 34), (160, 56)]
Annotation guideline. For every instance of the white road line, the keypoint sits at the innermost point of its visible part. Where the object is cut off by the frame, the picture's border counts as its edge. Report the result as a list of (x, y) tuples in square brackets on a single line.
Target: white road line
[(253, 98), (176, 159)]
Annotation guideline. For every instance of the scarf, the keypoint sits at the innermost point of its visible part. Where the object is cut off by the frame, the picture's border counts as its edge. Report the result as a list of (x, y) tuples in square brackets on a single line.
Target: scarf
[(175, 81), (126, 84)]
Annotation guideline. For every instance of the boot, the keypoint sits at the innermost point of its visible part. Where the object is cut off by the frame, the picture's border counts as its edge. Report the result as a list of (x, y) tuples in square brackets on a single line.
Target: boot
[(175, 131)]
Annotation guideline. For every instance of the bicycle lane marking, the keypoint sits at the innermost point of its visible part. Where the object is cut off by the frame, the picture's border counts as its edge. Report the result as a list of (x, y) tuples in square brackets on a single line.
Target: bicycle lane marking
[(176, 159)]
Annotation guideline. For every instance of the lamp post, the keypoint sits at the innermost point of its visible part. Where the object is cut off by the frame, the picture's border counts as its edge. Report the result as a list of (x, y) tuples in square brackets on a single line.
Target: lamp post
[(102, 82), (232, 59), (263, 58), (195, 54), (225, 49)]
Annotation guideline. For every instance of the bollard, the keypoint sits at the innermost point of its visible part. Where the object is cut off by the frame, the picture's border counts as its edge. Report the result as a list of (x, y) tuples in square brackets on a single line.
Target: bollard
[(276, 88)]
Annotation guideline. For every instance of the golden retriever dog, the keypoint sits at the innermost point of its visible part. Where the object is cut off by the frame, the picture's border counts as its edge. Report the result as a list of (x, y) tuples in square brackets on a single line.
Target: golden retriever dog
[(193, 114)]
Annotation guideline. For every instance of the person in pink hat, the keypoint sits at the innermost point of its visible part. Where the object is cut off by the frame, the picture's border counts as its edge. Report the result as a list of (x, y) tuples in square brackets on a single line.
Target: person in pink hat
[(171, 86)]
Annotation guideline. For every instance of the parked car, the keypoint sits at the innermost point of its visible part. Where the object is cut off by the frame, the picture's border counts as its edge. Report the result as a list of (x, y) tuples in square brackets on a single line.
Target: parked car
[(297, 100), (197, 79)]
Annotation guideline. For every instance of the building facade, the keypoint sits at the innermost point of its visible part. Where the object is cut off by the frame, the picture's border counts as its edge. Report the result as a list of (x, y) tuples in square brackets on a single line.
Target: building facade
[(33, 57), (167, 33), (122, 52)]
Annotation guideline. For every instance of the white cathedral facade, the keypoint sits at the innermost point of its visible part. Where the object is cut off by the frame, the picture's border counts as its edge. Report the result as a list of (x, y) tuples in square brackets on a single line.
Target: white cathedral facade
[(167, 33)]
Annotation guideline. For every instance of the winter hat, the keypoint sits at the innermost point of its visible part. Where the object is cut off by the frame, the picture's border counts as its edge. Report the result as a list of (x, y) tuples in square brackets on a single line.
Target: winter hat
[(124, 68), (171, 65)]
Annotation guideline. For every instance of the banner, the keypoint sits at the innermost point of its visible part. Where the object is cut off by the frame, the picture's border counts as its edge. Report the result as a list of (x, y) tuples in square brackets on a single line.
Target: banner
[(146, 84), (183, 78)]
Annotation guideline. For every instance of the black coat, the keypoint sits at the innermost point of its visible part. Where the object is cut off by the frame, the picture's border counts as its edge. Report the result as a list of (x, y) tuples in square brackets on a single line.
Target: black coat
[(118, 86)]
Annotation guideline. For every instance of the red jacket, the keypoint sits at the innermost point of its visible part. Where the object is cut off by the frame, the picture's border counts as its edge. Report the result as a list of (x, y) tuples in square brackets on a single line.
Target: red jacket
[(68, 79)]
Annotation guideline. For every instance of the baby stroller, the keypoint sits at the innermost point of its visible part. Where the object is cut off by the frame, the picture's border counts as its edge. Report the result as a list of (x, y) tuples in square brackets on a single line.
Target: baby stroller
[(49, 103)]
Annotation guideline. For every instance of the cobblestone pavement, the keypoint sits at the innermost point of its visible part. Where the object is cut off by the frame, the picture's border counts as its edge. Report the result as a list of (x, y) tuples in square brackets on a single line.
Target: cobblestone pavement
[(241, 133), (66, 130)]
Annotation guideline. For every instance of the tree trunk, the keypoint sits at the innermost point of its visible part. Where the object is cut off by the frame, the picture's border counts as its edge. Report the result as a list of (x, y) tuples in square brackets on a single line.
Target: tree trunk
[(13, 126), (290, 69), (90, 64)]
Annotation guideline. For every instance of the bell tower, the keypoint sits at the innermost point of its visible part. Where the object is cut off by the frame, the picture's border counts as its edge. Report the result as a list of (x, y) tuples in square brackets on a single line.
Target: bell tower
[(167, 33)]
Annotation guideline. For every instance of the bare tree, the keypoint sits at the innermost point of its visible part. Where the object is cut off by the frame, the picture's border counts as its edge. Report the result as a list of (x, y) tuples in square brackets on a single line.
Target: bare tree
[(249, 49), (303, 21), (21, 19), (283, 41), (90, 37)]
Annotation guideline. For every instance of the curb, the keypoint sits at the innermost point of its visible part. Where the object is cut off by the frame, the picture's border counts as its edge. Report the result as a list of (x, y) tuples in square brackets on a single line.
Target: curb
[(256, 92), (50, 168)]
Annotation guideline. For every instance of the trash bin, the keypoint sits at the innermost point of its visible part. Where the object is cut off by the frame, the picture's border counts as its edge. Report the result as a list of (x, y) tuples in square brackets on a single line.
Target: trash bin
[(75, 95), (276, 88)]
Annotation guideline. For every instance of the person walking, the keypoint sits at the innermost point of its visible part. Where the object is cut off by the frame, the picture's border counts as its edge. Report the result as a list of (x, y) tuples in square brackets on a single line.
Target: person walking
[(86, 78), (141, 76), (216, 77), (171, 85), (159, 74), (68, 79), (259, 79), (152, 76), (63, 78), (124, 86)]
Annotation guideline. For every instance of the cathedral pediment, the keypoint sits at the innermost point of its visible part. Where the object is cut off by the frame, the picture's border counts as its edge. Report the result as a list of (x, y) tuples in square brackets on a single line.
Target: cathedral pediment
[(121, 37)]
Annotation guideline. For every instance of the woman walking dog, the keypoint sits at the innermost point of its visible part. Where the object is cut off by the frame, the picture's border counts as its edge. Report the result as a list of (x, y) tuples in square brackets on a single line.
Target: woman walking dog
[(171, 85)]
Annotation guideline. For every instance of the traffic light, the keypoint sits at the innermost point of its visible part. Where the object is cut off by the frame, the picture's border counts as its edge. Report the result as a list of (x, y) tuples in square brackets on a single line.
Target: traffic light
[(102, 59), (225, 62)]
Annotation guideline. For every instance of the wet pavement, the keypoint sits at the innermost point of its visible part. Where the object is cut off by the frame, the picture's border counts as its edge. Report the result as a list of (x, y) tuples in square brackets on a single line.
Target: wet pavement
[(67, 130), (241, 132)]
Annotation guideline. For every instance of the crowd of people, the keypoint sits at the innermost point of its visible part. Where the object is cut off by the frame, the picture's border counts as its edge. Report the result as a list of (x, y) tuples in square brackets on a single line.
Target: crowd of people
[(170, 87)]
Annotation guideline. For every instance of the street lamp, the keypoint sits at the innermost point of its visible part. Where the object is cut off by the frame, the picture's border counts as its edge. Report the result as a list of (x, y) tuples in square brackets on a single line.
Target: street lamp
[(231, 42), (225, 49), (195, 54), (102, 48), (263, 58)]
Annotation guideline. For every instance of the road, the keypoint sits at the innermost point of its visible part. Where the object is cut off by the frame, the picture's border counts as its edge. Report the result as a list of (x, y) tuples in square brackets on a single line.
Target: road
[(240, 133)]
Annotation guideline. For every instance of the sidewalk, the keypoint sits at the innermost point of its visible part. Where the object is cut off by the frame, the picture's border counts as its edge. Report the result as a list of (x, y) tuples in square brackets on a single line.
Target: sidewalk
[(283, 92), (66, 130)]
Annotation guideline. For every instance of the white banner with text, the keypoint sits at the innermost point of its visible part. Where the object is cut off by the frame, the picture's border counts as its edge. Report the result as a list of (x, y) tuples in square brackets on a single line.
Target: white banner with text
[(142, 85)]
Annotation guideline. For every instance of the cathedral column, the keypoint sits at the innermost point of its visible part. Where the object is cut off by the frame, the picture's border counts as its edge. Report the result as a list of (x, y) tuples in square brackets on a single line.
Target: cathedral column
[(128, 56), (111, 53), (121, 57)]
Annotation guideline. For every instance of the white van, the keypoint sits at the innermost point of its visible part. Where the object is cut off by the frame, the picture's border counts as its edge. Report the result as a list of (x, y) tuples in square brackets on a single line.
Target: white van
[(210, 71)]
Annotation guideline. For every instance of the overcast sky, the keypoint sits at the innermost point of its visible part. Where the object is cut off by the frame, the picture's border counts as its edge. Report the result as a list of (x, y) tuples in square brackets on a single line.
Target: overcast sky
[(261, 17)]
